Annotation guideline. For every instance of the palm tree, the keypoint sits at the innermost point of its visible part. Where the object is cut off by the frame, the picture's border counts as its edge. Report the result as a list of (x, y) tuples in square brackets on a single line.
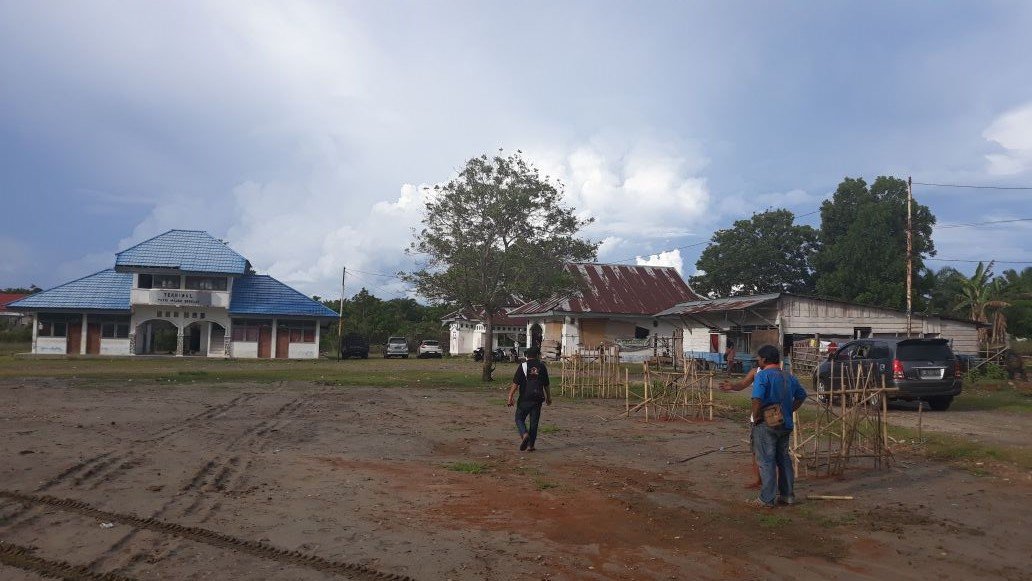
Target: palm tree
[(978, 295)]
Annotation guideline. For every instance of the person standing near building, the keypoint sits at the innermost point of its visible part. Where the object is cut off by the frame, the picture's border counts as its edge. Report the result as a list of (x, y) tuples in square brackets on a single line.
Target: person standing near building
[(774, 390), (531, 379), (729, 357)]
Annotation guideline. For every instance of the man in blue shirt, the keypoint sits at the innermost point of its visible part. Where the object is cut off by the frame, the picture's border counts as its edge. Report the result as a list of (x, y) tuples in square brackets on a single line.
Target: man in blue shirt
[(773, 386)]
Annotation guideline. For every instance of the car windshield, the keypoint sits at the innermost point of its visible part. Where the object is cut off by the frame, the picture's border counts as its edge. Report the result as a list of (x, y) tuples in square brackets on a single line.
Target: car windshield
[(924, 352), (396, 341), (430, 343)]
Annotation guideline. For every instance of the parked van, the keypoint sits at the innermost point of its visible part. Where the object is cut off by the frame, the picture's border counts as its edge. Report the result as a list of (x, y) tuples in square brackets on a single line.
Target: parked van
[(921, 369)]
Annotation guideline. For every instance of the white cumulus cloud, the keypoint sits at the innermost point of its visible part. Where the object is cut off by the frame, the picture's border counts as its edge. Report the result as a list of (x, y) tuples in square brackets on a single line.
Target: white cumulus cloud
[(668, 258), (1012, 131)]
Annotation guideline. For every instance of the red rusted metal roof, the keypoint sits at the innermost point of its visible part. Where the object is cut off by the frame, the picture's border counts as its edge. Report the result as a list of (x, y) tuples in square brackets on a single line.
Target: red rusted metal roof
[(8, 298), (718, 305), (617, 289)]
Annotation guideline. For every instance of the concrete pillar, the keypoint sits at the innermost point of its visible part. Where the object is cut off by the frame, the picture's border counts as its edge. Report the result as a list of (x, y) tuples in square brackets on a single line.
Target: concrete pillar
[(318, 330), (148, 345), (275, 324), (529, 338), (35, 330), (179, 341), (82, 342)]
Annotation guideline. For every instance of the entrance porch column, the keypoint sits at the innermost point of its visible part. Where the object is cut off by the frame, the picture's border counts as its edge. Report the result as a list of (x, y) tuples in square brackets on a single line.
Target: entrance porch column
[(529, 338), (35, 330), (82, 342), (179, 341), (275, 325)]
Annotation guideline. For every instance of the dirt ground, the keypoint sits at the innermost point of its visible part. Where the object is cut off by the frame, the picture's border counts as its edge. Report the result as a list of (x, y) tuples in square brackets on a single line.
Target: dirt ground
[(297, 480)]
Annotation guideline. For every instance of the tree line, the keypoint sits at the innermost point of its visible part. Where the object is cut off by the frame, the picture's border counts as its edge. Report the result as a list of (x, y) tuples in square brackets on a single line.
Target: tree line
[(377, 319), (858, 254)]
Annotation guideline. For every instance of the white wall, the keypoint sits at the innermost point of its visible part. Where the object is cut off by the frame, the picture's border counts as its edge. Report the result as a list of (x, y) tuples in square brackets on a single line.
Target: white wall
[(114, 346), (51, 345), (302, 351), (245, 349)]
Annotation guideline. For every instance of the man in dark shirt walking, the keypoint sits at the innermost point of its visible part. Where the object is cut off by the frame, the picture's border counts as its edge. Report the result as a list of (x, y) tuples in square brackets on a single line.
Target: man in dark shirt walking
[(531, 379)]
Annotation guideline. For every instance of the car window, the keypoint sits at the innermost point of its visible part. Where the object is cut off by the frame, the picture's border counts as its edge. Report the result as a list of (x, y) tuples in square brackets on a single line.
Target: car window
[(924, 351), (879, 351), (846, 352), (862, 352)]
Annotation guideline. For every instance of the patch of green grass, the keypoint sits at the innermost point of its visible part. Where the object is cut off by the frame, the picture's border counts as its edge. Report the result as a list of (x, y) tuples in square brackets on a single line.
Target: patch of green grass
[(545, 485), (549, 429), (771, 521), (811, 513), (1002, 399), (951, 448), (467, 467)]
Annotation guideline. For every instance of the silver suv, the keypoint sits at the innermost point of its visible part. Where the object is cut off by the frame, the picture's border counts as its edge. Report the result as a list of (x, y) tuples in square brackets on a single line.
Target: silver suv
[(396, 347)]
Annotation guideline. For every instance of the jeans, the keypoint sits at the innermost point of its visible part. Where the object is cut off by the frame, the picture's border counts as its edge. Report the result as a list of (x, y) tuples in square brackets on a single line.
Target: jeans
[(776, 472), (532, 409)]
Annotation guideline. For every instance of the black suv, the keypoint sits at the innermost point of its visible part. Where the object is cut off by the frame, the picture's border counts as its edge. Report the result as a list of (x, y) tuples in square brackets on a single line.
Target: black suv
[(921, 369), (354, 345)]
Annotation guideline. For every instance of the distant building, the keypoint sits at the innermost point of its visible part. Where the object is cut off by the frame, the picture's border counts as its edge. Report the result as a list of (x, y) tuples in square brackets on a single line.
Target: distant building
[(780, 318), (466, 331), (9, 317), (614, 302), (183, 292)]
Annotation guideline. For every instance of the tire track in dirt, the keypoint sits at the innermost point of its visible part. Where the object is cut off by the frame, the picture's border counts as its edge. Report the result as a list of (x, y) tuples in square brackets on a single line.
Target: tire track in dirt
[(25, 559), (208, 537), (218, 474), (97, 470)]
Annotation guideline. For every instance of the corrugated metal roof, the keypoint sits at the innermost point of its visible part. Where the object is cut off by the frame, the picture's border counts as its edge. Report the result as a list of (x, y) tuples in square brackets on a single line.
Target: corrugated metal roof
[(7, 298), (187, 250), (106, 290), (259, 294), (617, 289), (718, 305)]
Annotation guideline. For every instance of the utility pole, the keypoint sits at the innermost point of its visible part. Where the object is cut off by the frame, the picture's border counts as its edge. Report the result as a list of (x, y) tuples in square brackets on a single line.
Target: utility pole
[(340, 318), (910, 256)]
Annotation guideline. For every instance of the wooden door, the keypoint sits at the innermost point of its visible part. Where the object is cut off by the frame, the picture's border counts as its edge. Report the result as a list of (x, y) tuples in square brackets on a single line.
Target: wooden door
[(93, 338), (264, 341), (282, 343), (74, 338)]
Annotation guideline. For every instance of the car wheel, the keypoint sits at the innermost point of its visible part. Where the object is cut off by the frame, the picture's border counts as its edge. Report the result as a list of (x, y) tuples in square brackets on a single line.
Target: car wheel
[(940, 404), (404, 356)]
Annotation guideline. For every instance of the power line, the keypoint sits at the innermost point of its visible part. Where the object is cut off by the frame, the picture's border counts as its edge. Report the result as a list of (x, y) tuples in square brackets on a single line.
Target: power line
[(983, 223), (974, 187), (975, 261)]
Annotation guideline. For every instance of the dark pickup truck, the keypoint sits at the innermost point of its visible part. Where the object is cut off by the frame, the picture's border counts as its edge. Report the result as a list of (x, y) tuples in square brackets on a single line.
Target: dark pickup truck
[(354, 345)]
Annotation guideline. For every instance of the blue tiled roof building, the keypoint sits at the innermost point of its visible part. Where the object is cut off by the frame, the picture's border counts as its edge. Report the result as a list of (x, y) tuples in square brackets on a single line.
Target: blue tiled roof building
[(183, 292)]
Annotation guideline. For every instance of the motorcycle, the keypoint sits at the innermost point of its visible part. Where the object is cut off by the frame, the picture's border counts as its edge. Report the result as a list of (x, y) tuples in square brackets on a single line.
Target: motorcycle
[(496, 355)]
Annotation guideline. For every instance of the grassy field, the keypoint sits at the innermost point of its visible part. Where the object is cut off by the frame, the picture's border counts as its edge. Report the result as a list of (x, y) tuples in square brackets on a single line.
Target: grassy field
[(375, 372)]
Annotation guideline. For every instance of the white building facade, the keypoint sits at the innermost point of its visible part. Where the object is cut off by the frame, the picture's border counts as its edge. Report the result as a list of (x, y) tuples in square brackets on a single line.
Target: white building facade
[(183, 293)]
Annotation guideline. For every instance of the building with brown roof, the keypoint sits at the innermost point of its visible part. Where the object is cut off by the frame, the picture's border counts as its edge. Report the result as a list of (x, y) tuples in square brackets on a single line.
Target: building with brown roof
[(613, 302)]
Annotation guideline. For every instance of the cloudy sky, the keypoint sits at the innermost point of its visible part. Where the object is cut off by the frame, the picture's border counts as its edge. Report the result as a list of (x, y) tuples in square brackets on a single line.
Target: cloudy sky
[(303, 132)]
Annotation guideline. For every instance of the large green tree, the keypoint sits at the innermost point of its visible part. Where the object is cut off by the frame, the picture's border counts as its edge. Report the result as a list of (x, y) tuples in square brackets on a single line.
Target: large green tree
[(496, 231), (766, 253), (863, 243)]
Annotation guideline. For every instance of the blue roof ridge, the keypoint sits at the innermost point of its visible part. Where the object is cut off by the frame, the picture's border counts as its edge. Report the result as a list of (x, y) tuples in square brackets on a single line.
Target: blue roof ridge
[(156, 236)]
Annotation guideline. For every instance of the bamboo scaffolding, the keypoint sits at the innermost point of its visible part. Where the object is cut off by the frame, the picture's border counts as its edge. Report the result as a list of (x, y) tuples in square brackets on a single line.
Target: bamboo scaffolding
[(850, 424)]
